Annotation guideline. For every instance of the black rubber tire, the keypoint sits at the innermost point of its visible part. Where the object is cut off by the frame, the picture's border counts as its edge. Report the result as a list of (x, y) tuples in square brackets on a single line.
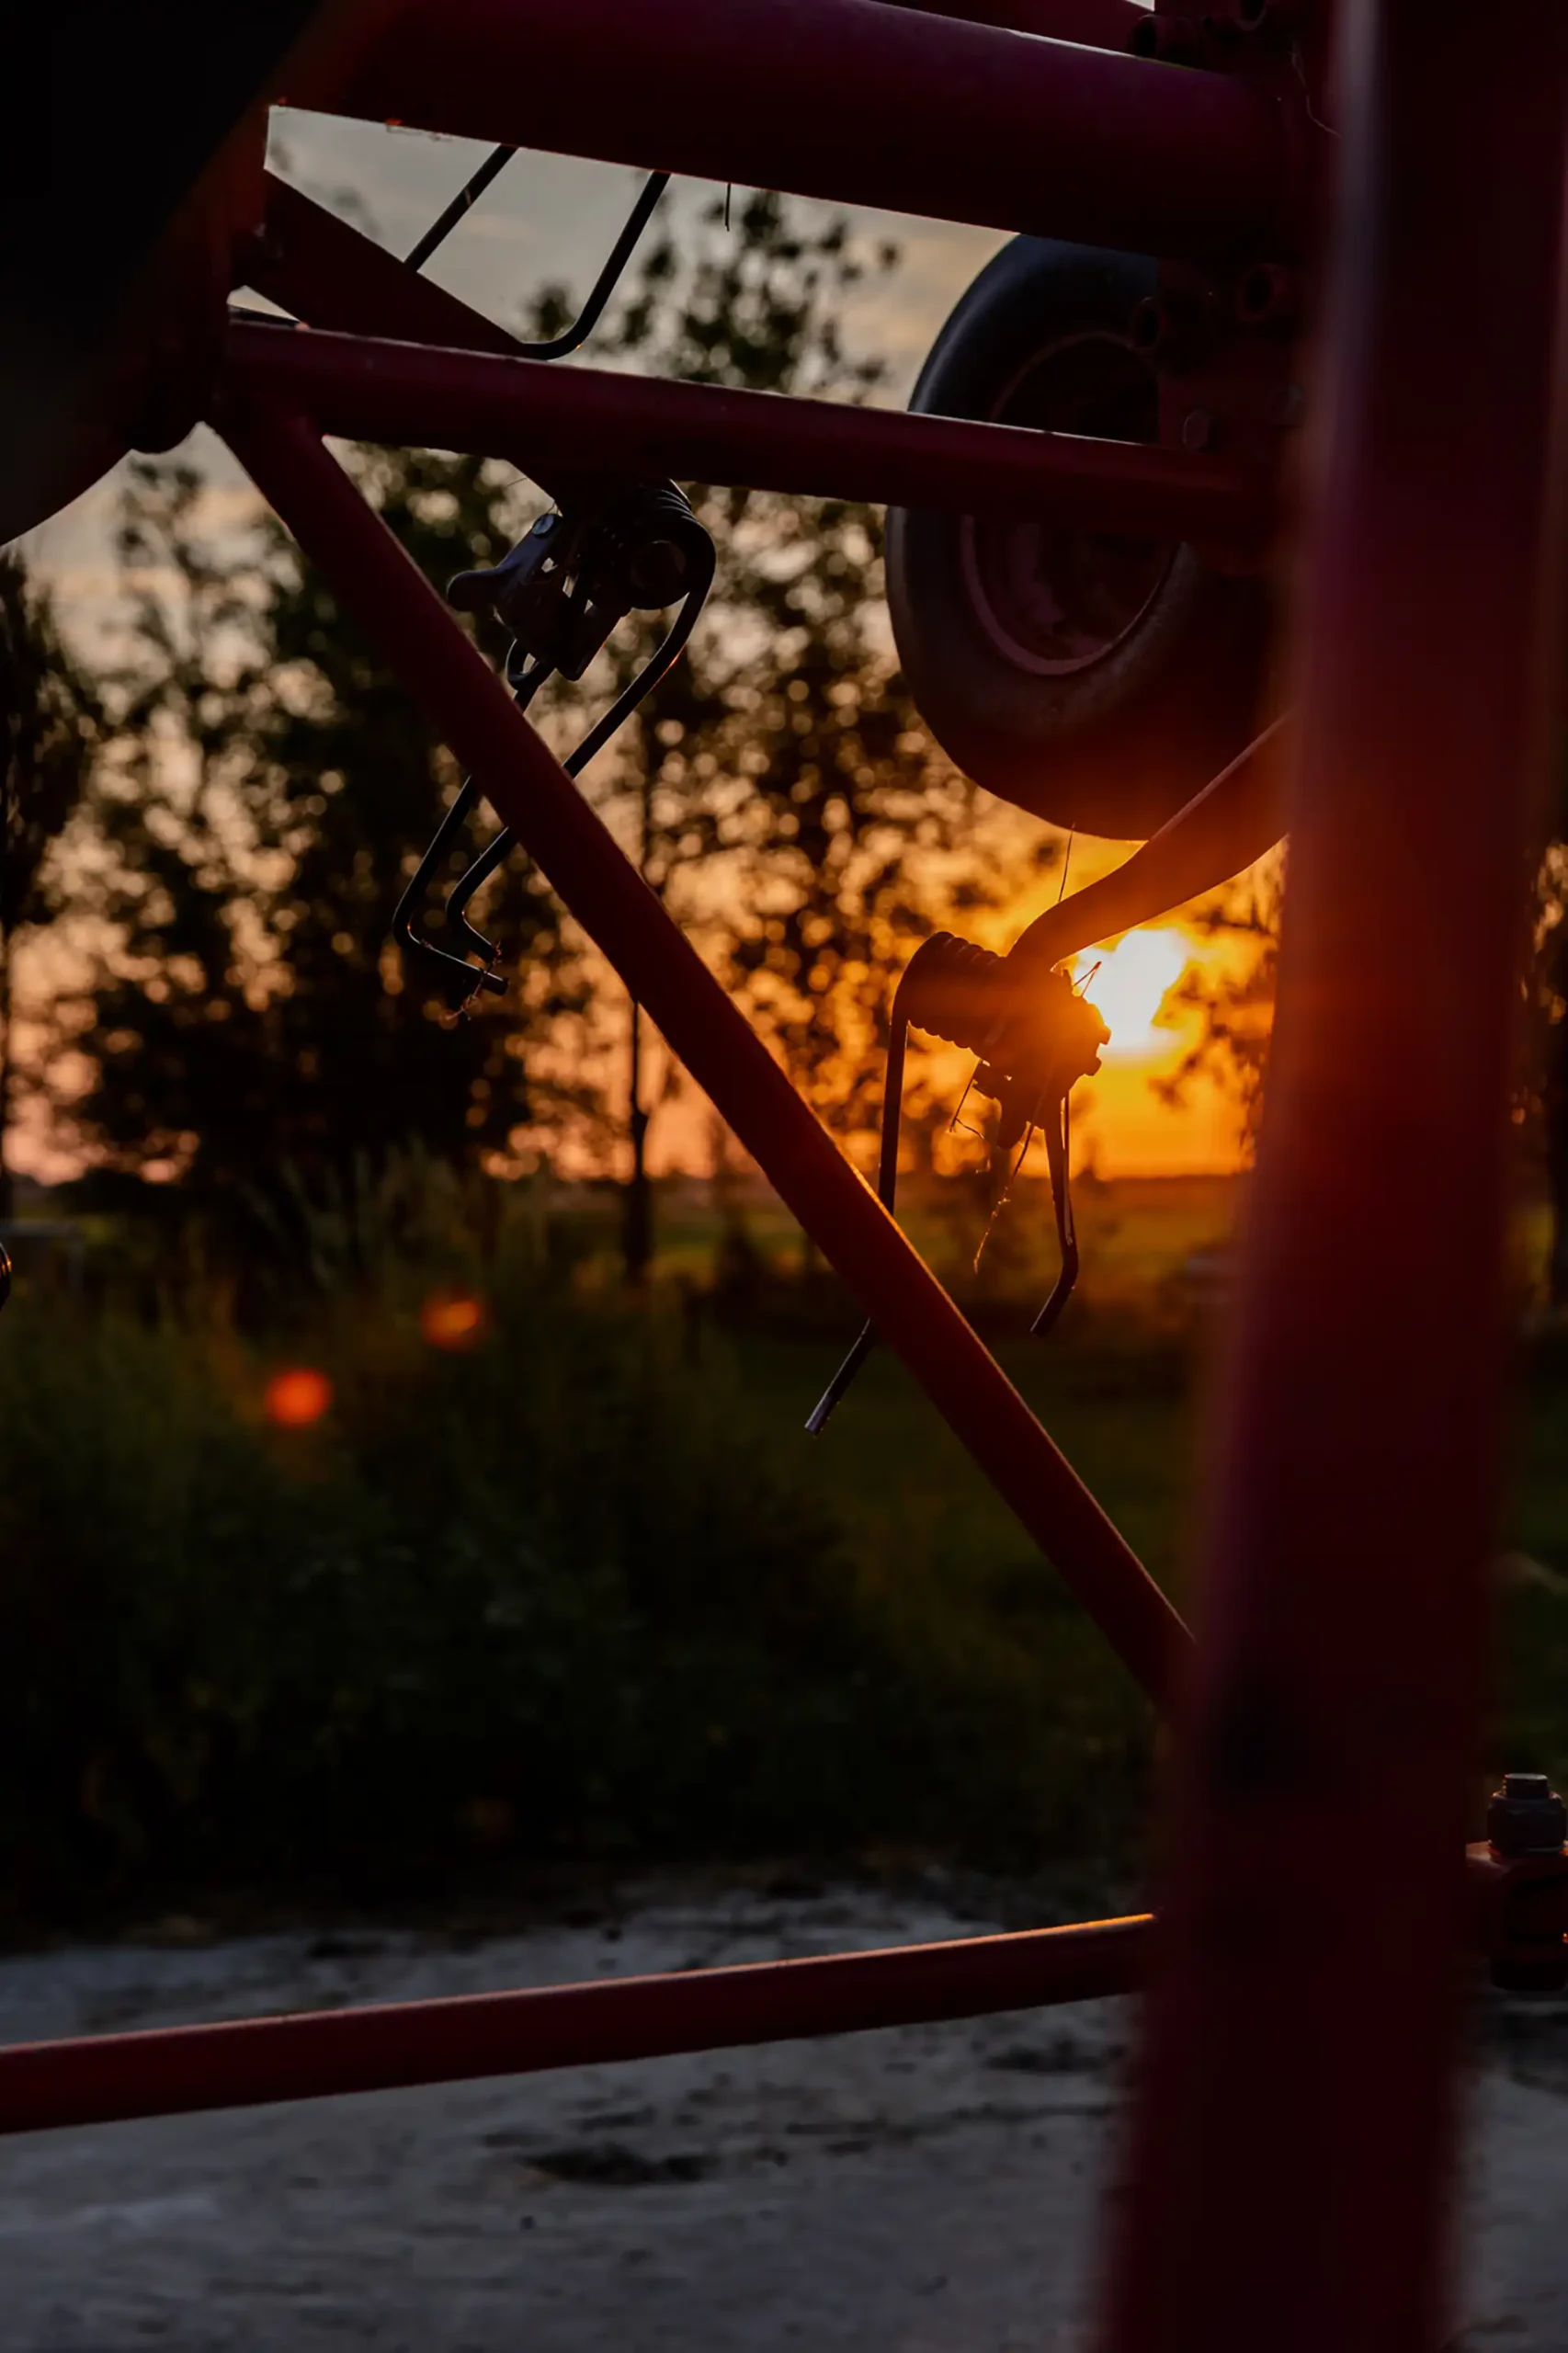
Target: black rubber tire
[(1108, 723)]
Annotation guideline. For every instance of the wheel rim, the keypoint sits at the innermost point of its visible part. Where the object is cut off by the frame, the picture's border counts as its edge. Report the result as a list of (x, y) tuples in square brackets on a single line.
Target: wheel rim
[(1056, 602)]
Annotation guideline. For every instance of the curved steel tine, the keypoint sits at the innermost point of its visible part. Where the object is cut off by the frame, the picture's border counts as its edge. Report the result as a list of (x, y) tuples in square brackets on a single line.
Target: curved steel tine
[(414, 943), (597, 736), (887, 1190), (463, 888), (1058, 1138)]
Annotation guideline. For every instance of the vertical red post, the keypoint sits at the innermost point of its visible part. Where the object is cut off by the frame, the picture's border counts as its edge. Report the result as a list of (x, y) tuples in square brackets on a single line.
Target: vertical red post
[(1291, 2154)]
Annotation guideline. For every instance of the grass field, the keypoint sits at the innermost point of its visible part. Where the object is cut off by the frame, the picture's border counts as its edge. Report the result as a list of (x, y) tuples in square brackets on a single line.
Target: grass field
[(584, 1590), (1123, 1391)]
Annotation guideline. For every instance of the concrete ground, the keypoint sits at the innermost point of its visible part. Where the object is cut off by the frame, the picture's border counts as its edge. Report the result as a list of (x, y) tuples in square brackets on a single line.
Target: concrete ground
[(929, 2190)]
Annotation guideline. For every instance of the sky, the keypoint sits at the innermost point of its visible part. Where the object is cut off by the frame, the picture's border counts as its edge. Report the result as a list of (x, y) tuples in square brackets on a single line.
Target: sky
[(554, 217)]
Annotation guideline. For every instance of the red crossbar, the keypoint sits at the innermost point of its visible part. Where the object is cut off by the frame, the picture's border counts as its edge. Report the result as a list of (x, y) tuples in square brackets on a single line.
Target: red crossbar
[(405, 393), (99, 2079), (856, 102)]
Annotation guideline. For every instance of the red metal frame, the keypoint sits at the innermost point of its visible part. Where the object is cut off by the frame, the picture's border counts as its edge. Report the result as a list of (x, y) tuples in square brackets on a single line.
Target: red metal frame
[(247, 2061), (859, 103), (532, 793), (375, 390), (1310, 2003), (1096, 23), (1518, 1911), (1294, 2134)]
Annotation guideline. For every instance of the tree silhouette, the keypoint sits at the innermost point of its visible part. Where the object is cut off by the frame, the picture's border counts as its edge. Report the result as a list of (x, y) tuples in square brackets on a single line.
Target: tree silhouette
[(1234, 1003), (265, 796), (48, 722), (269, 788), (779, 788)]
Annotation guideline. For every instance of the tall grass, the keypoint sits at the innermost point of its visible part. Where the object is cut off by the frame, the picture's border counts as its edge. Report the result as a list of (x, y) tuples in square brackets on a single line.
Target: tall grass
[(579, 1589), (567, 1591)]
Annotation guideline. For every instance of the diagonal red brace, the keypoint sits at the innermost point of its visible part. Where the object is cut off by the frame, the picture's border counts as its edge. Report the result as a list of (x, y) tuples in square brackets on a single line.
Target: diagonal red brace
[(315, 264), (530, 791)]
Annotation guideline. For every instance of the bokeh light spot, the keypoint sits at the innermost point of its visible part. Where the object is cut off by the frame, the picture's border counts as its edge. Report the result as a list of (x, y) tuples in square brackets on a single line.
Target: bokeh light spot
[(297, 1397), (452, 1319)]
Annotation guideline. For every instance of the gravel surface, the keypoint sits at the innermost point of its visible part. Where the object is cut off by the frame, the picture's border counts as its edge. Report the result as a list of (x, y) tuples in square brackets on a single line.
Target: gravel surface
[(921, 2190)]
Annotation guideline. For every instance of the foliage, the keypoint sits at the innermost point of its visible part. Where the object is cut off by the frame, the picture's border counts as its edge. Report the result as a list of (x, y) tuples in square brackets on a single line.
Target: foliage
[(780, 787), (1233, 998), (48, 722), (265, 798), (568, 1593), (268, 790), (581, 1594)]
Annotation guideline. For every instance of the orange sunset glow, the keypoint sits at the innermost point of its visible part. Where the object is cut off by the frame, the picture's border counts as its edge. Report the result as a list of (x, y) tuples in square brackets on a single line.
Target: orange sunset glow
[(1123, 1127)]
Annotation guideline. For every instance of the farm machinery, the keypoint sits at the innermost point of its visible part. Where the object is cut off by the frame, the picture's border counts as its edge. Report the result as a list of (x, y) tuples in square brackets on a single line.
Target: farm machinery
[(1224, 506)]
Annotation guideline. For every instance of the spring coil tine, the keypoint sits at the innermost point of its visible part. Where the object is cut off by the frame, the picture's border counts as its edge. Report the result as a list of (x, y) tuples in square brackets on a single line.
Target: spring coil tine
[(949, 990)]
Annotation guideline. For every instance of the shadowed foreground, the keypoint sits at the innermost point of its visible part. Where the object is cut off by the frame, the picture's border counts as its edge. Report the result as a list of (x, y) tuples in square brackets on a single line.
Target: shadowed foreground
[(927, 2189)]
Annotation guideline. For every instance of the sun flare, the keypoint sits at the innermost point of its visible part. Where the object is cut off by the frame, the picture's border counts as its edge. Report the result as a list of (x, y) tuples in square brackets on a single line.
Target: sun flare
[(1129, 986)]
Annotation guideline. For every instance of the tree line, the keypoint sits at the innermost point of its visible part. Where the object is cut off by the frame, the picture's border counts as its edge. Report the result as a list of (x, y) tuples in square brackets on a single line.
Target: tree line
[(225, 820), (219, 824)]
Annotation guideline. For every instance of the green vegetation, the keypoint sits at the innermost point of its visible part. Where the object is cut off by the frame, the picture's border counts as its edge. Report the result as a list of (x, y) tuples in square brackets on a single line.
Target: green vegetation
[(582, 1592), (260, 791), (582, 1589)]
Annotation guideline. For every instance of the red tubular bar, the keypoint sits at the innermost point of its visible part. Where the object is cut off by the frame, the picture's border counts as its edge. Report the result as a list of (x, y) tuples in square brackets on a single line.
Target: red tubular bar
[(854, 101), (314, 265), (100, 2079), (106, 2079), (1292, 2161), (533, 794), (317, 268), (328, 273), (1096, 23), (405, 393)]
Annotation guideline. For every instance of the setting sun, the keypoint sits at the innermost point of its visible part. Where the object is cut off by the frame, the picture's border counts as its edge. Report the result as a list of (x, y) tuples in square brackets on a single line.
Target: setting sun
[(1129, 984)]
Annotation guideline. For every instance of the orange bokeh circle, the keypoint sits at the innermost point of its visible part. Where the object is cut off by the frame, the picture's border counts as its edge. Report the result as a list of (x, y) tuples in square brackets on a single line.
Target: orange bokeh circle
[(452, 1319), (297, 1397)]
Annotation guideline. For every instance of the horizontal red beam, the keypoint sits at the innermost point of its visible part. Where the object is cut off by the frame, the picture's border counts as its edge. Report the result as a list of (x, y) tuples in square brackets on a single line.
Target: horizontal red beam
[(101, 2079), (853, 101), (530, 791), (328, 275), (405, 393)]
